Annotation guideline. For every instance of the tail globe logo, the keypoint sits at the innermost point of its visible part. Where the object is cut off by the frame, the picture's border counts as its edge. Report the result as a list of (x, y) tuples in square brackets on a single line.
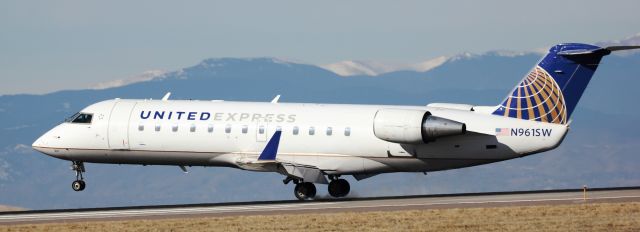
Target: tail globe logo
[(538, 97)]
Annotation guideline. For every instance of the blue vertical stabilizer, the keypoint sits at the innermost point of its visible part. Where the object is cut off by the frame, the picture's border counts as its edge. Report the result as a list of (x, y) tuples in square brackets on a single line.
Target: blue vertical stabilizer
[(550, 92)]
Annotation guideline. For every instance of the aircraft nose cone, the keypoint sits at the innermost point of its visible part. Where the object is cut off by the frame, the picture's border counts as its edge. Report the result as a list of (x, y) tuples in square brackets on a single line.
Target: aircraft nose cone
[(39, 144)]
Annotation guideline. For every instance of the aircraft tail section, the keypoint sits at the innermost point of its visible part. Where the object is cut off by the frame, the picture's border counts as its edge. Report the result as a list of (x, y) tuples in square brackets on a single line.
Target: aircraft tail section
[(550, 92)]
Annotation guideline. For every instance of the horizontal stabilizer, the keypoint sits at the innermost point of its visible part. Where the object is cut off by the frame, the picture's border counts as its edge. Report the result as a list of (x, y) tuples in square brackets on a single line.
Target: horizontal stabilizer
[(600, 51), (577, 52), (621, 48)]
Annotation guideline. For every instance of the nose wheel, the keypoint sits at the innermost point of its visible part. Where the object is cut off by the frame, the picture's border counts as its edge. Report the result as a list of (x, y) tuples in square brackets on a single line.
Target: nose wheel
[(78, 184)]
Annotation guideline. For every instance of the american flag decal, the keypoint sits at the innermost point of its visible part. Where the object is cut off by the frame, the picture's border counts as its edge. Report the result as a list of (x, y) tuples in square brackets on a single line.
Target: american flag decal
[(503, 132)]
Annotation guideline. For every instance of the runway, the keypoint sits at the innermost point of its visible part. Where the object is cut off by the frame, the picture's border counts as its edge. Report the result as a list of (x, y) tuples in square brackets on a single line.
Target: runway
[(496, 199)]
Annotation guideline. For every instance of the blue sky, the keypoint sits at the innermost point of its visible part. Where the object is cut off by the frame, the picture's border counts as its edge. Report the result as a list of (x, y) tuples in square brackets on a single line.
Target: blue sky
[(52, 45)]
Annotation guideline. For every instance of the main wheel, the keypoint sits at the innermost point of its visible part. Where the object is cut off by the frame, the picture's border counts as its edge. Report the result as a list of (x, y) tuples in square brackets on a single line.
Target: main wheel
[(305, 191), (339, 188), (78, 185)]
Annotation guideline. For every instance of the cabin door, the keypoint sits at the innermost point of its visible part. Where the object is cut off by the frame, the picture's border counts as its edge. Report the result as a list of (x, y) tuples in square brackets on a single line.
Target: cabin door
[(119, 125)]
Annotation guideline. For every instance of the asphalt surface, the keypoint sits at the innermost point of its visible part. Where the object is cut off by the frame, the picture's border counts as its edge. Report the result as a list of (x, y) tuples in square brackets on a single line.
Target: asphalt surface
[(496, 199)]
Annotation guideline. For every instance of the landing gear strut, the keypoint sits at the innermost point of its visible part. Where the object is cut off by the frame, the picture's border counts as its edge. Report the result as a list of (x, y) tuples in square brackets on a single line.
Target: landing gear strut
[(305, 191), (289, 179), (78, 184)]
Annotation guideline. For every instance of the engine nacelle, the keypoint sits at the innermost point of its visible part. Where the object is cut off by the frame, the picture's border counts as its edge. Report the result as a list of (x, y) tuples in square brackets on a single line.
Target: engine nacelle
[(413, 126)]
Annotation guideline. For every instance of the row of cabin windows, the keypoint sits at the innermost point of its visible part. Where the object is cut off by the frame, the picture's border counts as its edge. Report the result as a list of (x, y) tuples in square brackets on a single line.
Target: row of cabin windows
[(261, 129)]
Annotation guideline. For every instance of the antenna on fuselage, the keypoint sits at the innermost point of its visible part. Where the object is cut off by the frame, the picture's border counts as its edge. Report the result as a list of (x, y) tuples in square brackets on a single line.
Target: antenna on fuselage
[(166, 96), (275, 99)]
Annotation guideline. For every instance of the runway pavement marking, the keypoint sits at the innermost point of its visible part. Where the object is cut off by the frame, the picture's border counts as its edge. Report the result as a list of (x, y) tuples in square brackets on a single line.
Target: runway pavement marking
[(484, 202), (259, 208), (145, 212)]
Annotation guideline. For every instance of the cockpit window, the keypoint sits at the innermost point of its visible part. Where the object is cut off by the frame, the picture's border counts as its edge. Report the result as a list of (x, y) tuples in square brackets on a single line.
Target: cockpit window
[(80, 118), (69, 119)]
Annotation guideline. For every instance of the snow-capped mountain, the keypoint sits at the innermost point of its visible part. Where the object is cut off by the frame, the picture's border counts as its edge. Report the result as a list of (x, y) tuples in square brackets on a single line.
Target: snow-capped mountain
[(631, 40), (145, 76), (375, 68)]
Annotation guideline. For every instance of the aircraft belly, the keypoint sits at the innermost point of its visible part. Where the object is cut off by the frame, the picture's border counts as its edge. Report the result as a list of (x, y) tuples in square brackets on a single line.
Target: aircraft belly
[(469, 146), (428, 165), (148, 157)]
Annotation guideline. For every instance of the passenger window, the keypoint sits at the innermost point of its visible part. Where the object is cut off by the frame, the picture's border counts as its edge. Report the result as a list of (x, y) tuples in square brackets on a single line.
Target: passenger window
[(175, 128), (245, 128), (295, 130), (82, 118), (227, 129), (347, 131), (193, 128), (329, 131), (157, 127), (141, 127), (210, 128), (312, 130), (261, 130)]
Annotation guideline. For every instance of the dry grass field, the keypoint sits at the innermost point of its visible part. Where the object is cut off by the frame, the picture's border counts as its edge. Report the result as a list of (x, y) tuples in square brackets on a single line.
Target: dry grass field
[(572, 217)]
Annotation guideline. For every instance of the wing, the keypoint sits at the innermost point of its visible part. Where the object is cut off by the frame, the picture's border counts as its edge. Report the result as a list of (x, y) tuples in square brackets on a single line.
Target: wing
[(267, 161)]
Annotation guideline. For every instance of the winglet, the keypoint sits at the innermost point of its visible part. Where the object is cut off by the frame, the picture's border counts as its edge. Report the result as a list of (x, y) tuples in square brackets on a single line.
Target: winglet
[(275, 99), (166, 96), (271, 150)]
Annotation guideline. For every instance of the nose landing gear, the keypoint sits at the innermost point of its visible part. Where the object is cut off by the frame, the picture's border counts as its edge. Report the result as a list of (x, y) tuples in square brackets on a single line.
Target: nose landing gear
[(78, 184)]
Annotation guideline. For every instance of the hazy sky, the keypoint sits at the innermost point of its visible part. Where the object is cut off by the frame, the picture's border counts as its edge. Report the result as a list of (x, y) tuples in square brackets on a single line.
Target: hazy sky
[(51, 45)]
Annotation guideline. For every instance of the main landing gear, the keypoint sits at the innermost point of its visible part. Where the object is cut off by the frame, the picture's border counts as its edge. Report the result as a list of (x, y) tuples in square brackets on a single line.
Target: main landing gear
[(78, 184), (307, 190), (339, 188)]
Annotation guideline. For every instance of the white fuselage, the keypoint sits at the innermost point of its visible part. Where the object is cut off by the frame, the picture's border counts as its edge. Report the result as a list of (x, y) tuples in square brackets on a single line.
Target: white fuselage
[(335, 138)]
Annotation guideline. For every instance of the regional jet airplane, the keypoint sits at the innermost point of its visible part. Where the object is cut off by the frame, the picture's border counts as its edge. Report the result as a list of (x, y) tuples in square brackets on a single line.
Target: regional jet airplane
[(313, 144)]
